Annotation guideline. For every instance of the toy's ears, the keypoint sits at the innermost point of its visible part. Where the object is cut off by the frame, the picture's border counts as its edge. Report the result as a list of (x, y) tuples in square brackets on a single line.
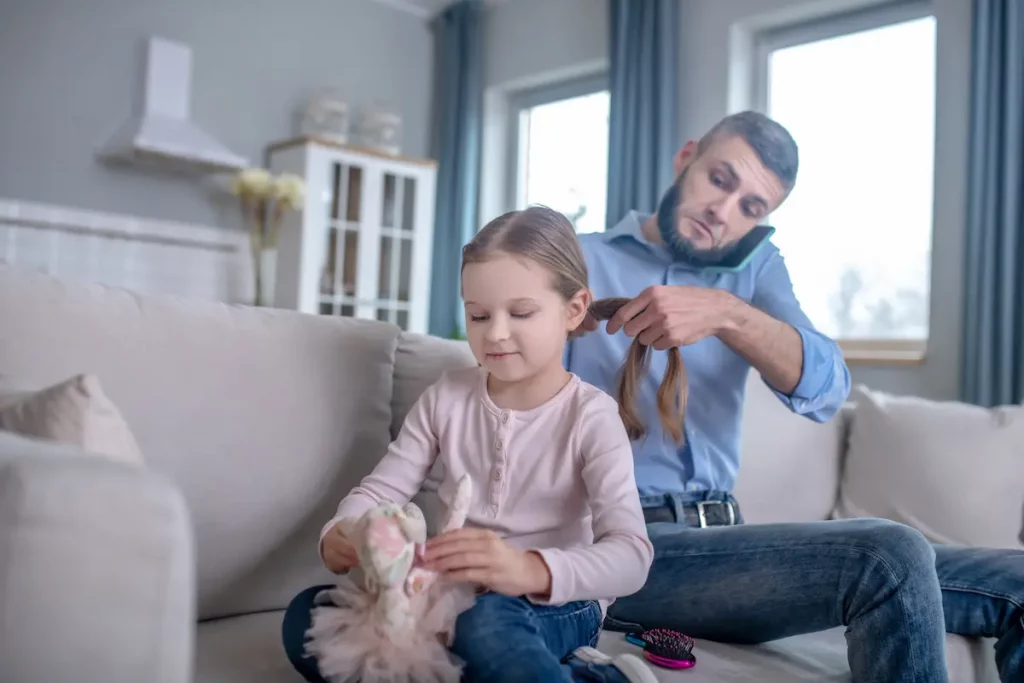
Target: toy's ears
[(413, 523), (459, 508)]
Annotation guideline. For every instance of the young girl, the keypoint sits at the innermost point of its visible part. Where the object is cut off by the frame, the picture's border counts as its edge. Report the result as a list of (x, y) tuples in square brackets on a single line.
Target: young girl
[(555, 531)]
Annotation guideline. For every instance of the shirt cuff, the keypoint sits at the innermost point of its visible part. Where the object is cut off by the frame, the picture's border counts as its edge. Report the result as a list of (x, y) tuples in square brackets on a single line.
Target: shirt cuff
[(818, 374), (560, 578), (351, 507), (323, 532)]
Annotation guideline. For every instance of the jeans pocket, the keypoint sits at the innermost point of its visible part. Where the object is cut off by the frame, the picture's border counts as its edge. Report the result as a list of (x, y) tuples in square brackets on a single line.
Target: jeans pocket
[(594, 612), (571, 626)]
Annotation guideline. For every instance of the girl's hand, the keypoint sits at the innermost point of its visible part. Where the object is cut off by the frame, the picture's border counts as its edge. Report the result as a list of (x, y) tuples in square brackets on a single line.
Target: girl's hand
[(338, 552), (480, 556)]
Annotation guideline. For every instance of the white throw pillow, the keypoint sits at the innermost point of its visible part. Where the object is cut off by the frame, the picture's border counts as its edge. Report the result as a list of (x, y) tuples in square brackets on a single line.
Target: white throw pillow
[(75, 412), (953, 471)]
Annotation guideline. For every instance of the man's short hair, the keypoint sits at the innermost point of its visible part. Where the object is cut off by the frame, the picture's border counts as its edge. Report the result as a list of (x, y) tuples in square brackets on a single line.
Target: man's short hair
[(770, 140)]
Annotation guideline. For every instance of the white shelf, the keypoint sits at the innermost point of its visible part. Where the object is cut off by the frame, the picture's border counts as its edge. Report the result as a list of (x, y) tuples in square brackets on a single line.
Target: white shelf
[(362, 244)]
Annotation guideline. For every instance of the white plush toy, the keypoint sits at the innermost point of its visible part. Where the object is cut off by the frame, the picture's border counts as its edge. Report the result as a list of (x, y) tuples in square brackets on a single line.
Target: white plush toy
[(394, 625)]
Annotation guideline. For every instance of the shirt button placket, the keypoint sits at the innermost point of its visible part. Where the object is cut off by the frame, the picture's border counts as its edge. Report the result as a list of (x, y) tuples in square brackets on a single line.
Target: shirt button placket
[(500, 448)]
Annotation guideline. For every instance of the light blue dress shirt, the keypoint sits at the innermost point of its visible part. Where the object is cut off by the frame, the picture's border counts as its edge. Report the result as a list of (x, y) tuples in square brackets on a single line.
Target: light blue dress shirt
[(621, 262)]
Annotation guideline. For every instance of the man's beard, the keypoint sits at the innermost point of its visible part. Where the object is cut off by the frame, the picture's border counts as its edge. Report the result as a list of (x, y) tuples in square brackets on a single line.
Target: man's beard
[(681, 248)]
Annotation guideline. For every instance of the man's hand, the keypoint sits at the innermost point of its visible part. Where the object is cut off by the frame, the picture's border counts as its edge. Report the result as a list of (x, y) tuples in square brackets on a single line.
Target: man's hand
[(664, 316), (338, 552), (480, 556)]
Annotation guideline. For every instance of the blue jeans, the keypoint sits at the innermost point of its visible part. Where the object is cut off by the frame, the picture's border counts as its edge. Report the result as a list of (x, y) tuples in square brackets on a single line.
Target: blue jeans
[(896, 594), (501, 639), (512, 640)]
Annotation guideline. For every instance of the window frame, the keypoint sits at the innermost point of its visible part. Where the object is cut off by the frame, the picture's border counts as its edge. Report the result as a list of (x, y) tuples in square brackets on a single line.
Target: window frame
[(865, 351), (519, 103)]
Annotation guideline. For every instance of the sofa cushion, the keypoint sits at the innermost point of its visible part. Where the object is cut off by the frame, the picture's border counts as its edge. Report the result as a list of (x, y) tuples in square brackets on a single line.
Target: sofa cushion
[(245, 649), (264, 418), (419, 361), (951, 470), (790, 465), (96, 569), (248, 649), (811, 658), (75, 412)]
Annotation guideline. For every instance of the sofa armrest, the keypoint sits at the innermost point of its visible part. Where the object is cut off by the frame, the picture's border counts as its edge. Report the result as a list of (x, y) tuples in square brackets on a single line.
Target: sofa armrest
[(97, 571)]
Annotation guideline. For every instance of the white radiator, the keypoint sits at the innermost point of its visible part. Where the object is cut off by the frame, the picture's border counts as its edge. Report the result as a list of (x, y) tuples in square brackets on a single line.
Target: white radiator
[(140, 254)]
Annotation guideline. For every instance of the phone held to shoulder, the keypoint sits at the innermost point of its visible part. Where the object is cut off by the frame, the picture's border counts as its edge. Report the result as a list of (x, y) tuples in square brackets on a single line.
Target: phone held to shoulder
[(745, 249)]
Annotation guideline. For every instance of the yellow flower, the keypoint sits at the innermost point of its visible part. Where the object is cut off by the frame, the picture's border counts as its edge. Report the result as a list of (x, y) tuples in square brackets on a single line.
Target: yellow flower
[(255, 182), (289, 190)]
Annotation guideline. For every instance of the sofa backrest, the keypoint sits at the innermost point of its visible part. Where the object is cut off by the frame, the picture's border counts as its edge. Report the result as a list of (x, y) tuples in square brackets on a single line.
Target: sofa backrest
[(790, 466), (263, 418)]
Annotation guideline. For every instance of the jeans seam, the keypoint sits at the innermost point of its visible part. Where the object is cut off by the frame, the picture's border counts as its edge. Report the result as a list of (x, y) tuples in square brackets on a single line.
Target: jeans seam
[(1013, 600), (762, 548), (569, 615)]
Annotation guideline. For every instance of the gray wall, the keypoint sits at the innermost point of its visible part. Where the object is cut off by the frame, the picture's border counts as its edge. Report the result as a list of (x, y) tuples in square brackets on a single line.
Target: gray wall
[(533, 41), (69, 70), (528, 39)]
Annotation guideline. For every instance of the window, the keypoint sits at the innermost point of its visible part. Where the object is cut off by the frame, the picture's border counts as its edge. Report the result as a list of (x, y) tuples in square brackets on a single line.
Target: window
[(560, 151), (858, 94)]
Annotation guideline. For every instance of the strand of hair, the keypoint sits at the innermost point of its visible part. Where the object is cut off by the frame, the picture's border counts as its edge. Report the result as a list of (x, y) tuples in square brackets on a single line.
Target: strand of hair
[(672, 392)]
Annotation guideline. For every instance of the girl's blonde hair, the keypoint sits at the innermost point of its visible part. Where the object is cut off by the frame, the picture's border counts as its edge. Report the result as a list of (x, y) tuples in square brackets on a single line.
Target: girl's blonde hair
[(548, 238)]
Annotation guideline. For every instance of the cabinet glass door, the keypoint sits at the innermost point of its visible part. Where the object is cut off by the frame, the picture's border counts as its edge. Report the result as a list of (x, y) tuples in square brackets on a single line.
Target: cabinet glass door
[(344, 218), (397, 231)]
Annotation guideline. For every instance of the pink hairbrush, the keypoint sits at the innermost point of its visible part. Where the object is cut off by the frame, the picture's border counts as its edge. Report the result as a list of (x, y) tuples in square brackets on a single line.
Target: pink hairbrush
[(664, 647)]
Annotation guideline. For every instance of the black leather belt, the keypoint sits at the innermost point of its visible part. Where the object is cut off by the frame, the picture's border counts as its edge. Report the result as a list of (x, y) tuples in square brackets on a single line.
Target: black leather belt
[(697, 513)]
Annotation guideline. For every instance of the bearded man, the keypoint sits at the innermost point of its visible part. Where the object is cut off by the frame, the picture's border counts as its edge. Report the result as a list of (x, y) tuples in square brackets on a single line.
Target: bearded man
[(707, 279)]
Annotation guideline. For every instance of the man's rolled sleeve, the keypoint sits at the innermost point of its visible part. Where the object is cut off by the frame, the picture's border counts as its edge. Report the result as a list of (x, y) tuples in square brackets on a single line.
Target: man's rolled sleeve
[(824, 379)]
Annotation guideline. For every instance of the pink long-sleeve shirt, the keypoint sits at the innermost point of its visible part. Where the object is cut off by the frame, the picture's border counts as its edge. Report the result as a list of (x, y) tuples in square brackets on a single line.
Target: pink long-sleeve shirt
[(557, 479)]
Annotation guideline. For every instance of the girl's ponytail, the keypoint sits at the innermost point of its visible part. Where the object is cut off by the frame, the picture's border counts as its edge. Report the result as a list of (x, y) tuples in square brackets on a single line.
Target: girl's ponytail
[(671, 393)]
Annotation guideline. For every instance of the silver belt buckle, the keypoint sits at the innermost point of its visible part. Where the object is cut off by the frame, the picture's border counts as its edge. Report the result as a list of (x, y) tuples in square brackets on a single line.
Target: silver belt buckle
[(702, 516)]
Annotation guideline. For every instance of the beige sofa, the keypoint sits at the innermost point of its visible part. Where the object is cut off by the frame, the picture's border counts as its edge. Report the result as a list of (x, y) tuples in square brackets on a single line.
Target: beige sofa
[(253, 423)]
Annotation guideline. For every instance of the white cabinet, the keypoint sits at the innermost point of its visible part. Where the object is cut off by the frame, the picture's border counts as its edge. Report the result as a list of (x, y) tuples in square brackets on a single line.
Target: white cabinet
[(362, 244)]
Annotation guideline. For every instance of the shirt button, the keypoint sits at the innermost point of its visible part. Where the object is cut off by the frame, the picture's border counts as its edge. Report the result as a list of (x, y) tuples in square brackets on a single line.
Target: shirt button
[(497, 445), (497, 475), (504, 417)]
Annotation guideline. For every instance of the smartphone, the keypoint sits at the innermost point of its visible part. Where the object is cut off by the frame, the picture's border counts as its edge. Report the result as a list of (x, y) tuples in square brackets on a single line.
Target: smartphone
[(745, 249)]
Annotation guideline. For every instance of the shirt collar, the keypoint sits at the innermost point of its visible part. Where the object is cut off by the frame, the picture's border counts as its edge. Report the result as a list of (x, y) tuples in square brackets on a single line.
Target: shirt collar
[(631, 226)]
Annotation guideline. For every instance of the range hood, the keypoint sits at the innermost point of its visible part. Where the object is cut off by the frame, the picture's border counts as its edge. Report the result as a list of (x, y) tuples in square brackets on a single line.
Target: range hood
[(159, 129)]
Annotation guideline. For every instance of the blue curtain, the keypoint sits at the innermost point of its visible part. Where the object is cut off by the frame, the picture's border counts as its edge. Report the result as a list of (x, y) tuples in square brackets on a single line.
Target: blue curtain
[(992, 367), (643, 77), (458, 128)]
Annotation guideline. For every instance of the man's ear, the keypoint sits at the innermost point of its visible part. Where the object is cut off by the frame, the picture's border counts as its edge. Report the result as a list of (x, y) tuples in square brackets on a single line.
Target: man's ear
[(576, 309), (684, 156)]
